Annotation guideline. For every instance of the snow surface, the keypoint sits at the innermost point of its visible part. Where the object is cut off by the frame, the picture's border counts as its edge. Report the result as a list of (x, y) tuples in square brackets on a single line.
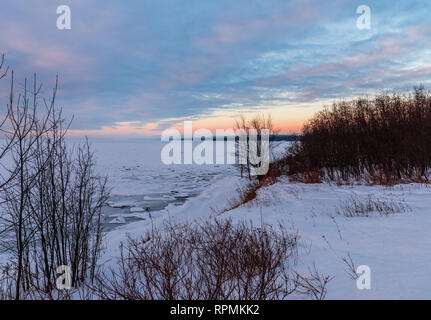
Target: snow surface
[(396, 246)]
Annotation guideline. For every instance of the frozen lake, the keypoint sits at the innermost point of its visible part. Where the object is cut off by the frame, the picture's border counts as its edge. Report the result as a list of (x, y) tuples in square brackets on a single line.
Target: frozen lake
[(140, 181)]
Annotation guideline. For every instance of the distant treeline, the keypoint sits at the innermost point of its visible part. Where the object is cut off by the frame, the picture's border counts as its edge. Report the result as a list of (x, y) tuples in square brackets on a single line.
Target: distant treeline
[(272, 137)]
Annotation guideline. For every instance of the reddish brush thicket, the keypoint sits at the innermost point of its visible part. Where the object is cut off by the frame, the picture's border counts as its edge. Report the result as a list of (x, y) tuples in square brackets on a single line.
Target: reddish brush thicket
[(388, 138), (216, 260)]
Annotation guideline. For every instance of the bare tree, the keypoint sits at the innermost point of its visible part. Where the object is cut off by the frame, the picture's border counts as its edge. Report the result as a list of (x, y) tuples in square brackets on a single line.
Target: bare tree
[(248, 144), (25, 130), (52, 199)]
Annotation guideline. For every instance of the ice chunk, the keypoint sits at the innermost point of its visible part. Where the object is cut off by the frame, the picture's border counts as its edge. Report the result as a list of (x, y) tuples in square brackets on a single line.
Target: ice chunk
[(117, 220)]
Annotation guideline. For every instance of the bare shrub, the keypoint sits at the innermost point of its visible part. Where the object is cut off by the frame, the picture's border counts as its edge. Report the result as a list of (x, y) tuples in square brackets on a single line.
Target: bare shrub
[(350, 266), (314, 284), (244, 194), (66, 210), (51, 210), (355, 206), (7, 277), (214, 260), (387, 138), (248, 192)]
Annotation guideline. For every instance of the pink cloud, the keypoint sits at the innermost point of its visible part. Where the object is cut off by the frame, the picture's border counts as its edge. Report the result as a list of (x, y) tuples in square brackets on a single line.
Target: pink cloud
[(54, 56)]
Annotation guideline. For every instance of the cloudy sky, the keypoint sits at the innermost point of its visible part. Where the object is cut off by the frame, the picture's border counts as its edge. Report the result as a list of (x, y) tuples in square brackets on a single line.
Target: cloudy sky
[(137, 67)]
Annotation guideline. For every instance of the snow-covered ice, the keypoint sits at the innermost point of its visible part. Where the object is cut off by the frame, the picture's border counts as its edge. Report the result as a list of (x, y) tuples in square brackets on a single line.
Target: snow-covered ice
[(139, 181)]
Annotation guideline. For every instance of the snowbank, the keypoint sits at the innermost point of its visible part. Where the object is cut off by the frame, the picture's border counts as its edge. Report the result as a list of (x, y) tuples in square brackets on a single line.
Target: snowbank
[(396, 247)]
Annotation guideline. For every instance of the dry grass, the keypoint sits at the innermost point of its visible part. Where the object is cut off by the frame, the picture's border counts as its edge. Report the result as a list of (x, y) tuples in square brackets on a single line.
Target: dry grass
[(313, 285), (354, 206)]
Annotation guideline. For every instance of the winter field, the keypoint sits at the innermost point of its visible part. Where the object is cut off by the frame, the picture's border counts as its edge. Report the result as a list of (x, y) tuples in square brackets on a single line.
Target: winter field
[(338, 227)]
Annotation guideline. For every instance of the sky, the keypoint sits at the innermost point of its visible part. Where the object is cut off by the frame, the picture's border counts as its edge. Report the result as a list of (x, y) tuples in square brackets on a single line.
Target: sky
[(138, 67)]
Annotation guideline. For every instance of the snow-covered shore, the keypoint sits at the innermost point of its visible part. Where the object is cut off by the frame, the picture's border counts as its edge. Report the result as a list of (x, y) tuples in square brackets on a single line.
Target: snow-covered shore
[(396, 247)]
